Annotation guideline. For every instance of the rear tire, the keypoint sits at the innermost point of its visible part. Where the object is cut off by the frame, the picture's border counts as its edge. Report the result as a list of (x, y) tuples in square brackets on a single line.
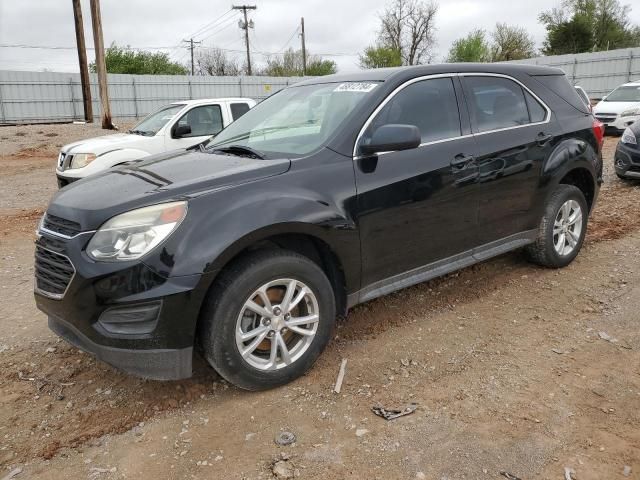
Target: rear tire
[(562, 228), (265, 297)]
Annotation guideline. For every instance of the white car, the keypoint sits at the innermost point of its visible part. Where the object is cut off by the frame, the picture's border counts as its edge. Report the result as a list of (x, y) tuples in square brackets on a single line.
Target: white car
[(175, 126), (620, 108)]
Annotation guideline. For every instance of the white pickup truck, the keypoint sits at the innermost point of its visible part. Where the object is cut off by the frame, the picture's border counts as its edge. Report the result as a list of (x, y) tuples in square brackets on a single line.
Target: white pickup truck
[(172, 127)]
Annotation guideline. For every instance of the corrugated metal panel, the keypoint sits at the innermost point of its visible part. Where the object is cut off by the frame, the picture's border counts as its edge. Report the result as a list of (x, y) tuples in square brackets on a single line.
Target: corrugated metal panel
[(598, 72), (30, 97)]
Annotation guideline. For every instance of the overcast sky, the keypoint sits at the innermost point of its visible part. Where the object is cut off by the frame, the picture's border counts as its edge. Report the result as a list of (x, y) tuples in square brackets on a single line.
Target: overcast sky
[(337, 28)]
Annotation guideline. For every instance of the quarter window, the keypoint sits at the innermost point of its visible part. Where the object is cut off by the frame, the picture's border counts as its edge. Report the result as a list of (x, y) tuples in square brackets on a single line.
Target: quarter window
[(238, 109), (430, 105), (204, 120), (497, 103)]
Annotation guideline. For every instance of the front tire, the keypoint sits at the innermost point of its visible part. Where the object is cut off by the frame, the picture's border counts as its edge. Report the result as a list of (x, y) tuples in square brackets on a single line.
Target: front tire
[(267, 319), (562, 228)]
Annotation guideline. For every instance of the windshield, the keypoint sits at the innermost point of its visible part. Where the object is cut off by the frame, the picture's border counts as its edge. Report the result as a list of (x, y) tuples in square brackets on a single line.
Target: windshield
[(151, 124), (630, 93), (295, 121)]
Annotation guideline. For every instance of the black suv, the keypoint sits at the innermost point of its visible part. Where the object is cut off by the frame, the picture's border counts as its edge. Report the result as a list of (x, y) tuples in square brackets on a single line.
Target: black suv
[(328, 194), (627, 156)]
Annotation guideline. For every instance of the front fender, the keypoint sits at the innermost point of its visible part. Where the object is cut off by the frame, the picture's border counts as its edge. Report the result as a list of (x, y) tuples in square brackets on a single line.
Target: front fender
[(213, 233)]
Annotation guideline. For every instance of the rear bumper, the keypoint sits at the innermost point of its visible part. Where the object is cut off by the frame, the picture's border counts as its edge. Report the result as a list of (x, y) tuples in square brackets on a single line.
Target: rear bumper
[(156, 364)]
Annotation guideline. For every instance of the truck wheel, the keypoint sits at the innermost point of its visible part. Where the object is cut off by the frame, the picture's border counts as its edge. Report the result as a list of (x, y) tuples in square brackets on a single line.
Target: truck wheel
[(267, 319), (562, 228)]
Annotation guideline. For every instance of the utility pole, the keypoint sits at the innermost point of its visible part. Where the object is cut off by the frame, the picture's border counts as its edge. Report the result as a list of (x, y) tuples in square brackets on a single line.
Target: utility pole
[(246, 26), (190, 46), (82, 60), (101, 68), (304, 48)]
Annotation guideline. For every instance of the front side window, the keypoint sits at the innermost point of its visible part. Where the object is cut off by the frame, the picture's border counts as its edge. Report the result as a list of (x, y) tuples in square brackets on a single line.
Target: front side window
[(297, 120), (430, 105), (205, 120), (496, 103), (151, 124)]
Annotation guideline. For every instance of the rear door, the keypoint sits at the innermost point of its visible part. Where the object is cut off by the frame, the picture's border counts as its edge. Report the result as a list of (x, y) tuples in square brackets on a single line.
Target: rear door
[(414, 206), (513, 130)]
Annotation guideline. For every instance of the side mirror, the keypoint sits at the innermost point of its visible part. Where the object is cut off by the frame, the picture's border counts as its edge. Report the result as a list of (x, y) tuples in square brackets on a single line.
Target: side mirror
[(393, 137), (180, 131)]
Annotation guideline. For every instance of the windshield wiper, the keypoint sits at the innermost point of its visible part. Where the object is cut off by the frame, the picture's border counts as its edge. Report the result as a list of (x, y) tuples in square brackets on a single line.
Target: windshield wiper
[(144, 133), (240, 150)]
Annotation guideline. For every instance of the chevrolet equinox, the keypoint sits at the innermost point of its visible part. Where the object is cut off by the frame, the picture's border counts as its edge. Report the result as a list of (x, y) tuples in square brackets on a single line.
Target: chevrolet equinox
[(330, 193)]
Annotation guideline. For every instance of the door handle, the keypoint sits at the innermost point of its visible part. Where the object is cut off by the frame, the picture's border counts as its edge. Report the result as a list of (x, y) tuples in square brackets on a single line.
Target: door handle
[(460, 161), (543, 138)]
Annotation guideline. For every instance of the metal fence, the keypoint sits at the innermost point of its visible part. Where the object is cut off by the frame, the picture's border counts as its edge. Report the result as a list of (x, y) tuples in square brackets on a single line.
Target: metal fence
[(33, 97), (599, 72)]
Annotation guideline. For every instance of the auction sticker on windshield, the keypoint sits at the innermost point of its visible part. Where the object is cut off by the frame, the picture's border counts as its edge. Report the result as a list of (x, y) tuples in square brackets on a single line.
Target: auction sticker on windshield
[(355, 87)]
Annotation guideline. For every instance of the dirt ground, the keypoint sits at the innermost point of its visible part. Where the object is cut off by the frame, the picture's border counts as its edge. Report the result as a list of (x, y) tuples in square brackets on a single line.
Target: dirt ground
[(518, 371)]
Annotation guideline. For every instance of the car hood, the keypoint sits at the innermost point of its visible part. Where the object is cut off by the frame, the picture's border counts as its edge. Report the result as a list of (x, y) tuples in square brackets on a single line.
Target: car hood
[(108, 143), (159, 178), (614, 107)]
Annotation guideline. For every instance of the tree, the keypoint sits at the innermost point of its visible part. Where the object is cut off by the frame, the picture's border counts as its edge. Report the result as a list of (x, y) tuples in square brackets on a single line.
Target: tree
[(214, 61), (472, 48), (511, 43), (408, 27), (289, 64), (127, 60), (588, 25), (380, 57)]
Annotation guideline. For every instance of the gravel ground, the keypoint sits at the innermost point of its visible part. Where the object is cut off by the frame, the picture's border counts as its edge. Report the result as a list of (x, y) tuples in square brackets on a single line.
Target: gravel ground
[(514, 368)]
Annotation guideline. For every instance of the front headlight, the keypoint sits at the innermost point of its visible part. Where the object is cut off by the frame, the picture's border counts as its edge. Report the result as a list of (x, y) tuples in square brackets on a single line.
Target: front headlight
[(628, 137), (80, 160), (131, 235), (632, 112)]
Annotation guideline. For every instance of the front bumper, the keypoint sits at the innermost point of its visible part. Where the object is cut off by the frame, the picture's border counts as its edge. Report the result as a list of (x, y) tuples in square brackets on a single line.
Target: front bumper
[(123, 313), (616, 124), (627, 160), (63, 181)]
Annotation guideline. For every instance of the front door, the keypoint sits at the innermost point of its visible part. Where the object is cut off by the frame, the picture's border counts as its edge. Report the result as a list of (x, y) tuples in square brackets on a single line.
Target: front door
[(203, 122), (417, 206)]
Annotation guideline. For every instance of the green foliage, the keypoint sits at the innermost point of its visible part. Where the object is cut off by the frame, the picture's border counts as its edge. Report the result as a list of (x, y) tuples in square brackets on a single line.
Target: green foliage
[(511, 43), (380, 57), (578, 26), (472, 48), (290, 65), (127, 60)]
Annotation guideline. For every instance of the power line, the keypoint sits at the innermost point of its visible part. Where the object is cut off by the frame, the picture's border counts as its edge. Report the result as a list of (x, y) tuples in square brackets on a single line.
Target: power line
[(223, 28), (48, 47), (290, 38), (209, 25)]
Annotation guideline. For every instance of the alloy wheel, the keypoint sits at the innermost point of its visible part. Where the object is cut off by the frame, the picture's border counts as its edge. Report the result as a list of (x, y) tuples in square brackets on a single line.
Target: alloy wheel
[(567, 227), (277, 324)]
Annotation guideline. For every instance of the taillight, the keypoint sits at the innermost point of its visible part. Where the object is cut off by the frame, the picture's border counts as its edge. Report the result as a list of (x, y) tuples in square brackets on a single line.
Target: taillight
[(598, 131)]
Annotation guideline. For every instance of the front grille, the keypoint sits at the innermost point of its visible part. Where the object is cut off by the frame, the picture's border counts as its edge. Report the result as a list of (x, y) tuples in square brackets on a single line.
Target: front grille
[(64, 160), (53, 272), (62, 226), (606, 117)]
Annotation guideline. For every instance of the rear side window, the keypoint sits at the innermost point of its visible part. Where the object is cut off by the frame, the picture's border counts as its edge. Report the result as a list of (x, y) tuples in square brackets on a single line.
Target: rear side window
[(430, 105), (559, 85), (496, 103), (238, 109)]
